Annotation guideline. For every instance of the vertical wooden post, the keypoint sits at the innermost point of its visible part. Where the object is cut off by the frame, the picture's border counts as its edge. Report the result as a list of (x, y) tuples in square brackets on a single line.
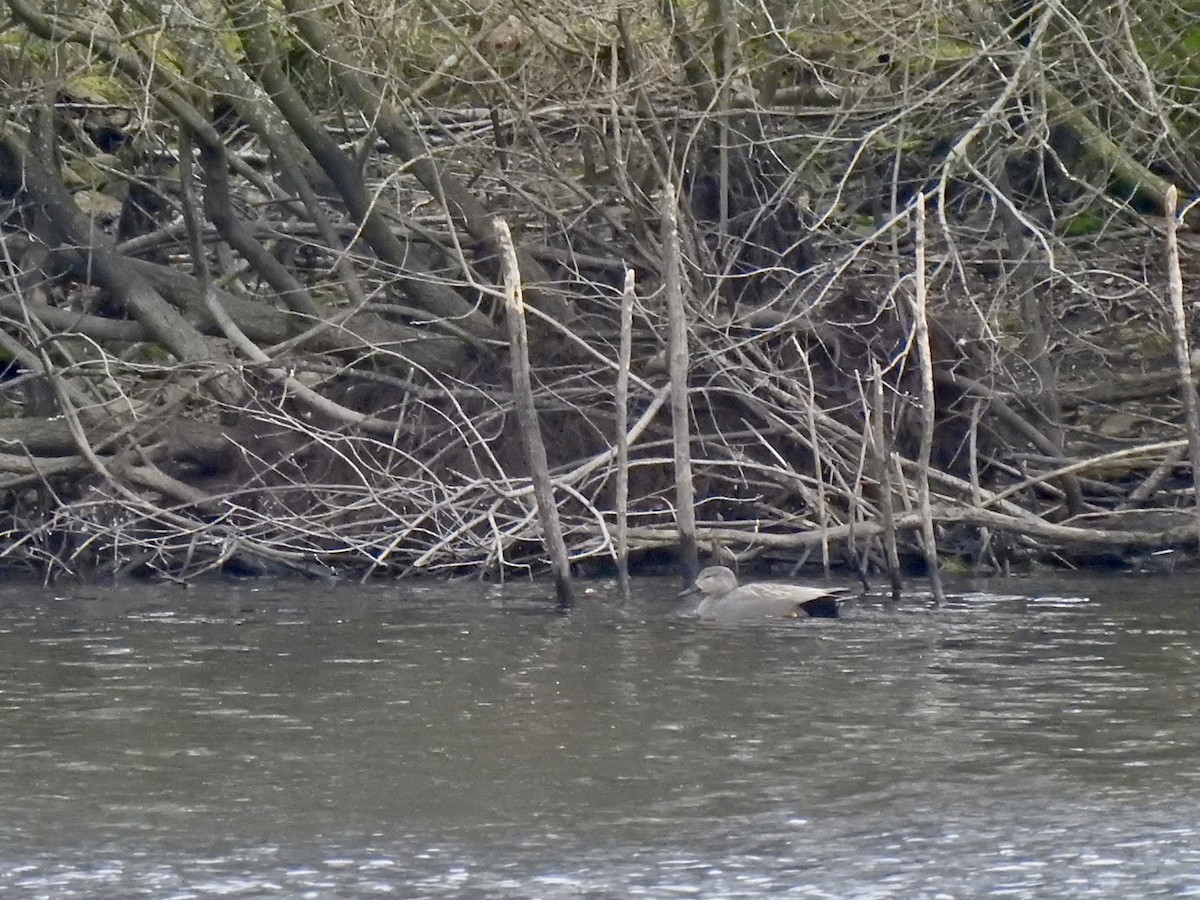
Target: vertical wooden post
[(928, 408), (1183, 356), (622, 436), (883, 462), (818, 461), (531, 433), (677, 354), (985, 533)]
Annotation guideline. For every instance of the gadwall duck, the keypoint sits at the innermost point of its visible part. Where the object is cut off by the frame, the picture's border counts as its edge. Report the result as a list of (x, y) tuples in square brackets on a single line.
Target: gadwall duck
[(724, 601)]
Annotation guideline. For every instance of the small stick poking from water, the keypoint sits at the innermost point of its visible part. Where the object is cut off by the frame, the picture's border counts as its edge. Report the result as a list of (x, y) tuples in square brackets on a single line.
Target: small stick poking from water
[(531, 432), (928, 409), (677, 354), (882, 451), (1183, 356), (622, 437)]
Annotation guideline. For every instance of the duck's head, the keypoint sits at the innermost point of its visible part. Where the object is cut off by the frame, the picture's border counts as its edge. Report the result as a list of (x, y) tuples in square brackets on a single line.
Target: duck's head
[(713, 581)]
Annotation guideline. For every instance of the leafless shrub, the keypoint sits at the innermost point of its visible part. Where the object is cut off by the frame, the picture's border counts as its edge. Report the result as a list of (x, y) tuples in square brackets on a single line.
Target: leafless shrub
[(250, 277)]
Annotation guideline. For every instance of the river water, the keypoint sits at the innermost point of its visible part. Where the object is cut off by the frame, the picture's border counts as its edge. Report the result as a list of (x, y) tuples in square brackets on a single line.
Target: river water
[(1030, 738)]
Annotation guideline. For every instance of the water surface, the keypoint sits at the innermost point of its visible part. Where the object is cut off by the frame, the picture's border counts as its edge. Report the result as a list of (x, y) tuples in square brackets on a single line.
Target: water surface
[(1031, 738)]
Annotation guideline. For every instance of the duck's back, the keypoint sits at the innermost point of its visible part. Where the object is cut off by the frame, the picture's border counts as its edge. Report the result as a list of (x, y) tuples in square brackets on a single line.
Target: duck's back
[(760, 601)]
